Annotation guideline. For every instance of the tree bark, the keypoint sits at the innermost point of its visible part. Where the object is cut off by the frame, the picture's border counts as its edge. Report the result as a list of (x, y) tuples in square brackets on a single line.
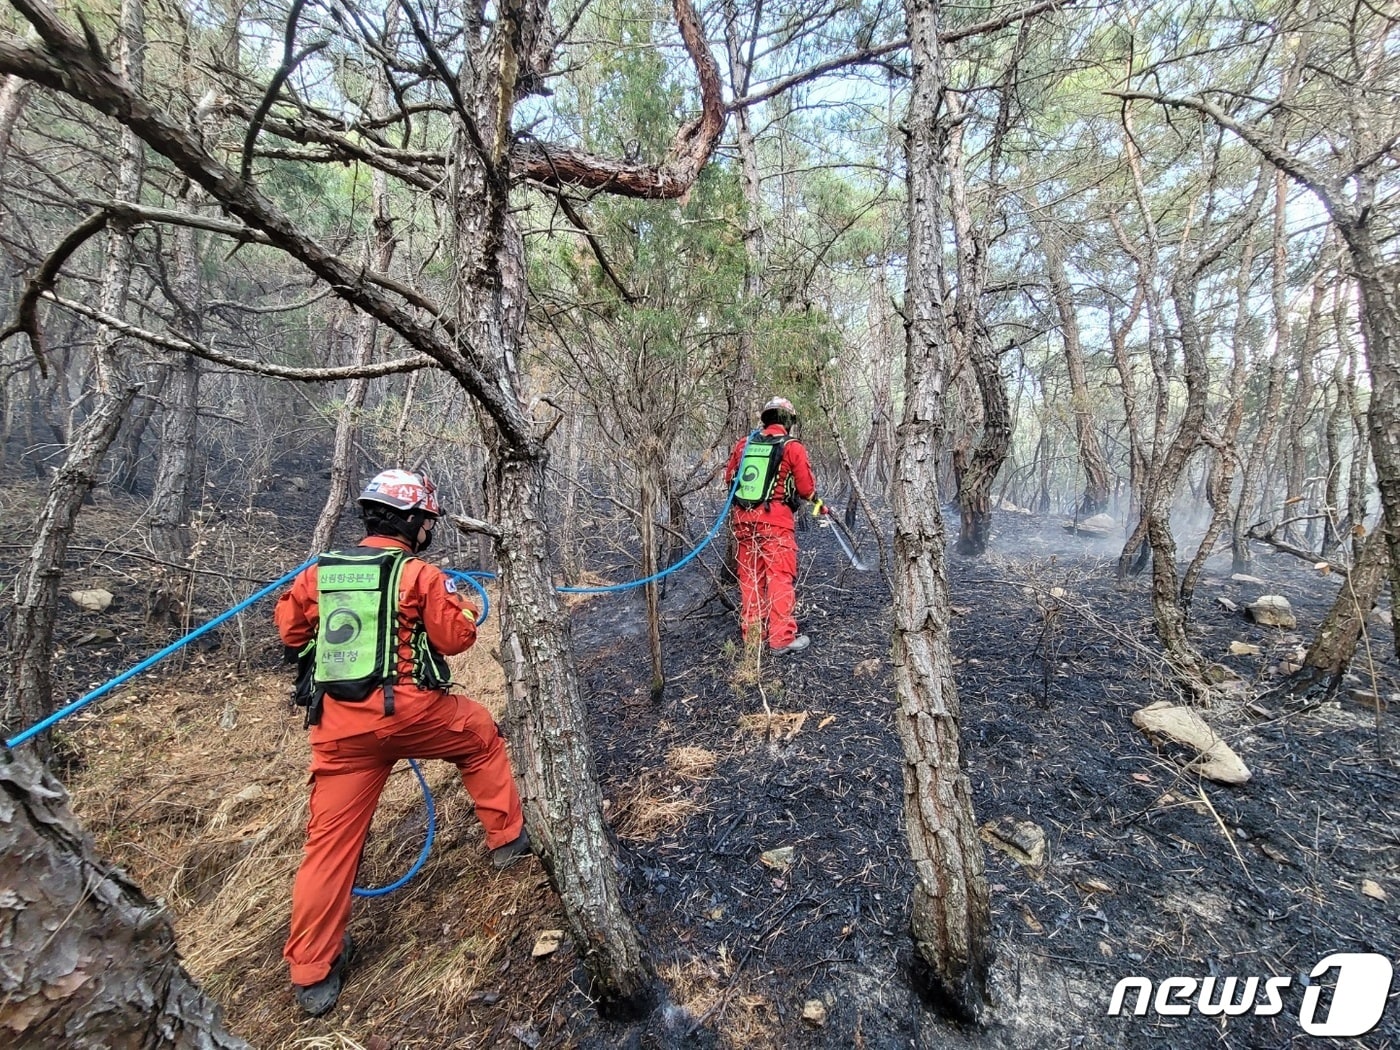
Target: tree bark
[(546, 719), (1332, 650), (1380, 326), (1091, 457), (950, 918), (90, 962), (989, 454), (124, 462), (29, 692), (14, 94), (175, 460)]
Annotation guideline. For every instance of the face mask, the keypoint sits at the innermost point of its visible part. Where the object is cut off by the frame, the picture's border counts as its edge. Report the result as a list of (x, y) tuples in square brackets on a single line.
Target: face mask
[(427, 530)]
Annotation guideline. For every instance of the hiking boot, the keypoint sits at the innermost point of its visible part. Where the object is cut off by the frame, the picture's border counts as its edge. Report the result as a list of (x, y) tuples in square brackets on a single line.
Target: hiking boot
[(319, 998), (503, 857), (795, 646)]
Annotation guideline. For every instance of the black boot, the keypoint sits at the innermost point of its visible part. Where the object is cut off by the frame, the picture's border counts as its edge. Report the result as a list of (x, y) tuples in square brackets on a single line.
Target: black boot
[(319, 998)]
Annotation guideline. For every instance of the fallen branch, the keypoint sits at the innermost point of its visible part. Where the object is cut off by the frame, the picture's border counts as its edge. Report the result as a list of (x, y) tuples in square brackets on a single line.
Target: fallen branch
[(1308, 556)]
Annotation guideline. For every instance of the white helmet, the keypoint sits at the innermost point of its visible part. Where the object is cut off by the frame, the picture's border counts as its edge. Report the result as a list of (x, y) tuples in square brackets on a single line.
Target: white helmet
[(402, 490)]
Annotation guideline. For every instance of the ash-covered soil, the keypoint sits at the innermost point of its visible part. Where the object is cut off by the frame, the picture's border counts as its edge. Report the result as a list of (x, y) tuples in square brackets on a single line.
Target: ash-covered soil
[(194, 780), (1149, 870)]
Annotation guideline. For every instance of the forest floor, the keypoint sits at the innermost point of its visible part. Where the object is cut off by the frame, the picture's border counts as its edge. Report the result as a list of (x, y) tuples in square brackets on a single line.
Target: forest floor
[(193, 779)]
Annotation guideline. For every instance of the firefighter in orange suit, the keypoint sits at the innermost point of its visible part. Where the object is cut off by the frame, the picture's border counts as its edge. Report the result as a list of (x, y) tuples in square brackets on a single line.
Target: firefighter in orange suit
[(774, 472), (371, 627)]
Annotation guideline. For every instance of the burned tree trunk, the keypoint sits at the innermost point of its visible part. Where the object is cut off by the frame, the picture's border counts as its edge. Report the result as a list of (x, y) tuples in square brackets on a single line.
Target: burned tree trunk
[(950, 919), (1167, 609), (29, 696), (545, 712), (89, 962), (1334, 647)]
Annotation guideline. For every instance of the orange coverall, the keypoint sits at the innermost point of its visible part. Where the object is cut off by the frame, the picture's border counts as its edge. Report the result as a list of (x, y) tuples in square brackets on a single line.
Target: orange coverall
[(766, 544), (356, 745)]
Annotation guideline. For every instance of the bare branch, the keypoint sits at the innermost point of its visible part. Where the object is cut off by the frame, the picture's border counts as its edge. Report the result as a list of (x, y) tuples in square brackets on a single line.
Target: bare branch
[(574, 217), (1327, 190), (134, 213), (180, 345), (473, 525), (27, 312), (64, 64), (342, 148), (290, 61), (871, 55)]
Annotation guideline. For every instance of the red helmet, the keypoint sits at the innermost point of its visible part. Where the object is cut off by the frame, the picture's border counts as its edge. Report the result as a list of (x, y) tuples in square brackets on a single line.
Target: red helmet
[(402, 490)]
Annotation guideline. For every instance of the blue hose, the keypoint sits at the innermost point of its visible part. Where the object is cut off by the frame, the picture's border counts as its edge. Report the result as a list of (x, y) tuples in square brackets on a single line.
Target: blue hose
[(470, 577), (127, 675), (422, 854), (714, 530)]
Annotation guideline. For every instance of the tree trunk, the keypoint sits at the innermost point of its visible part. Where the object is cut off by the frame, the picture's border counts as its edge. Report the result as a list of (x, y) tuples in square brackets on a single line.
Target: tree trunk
[(1380, 327), (989, 454), (1091, 457), (175, 462), (170, 500), (90, 961), (347, 424), (1167, 609), (879, 449), (1332, 650), (975, 492), (29, 692), (650, 467), (1137, 455), (1294, 446), (950, 919), (1336, 417), (549, 744), (1273, 397), (14, 94), (29, 696), (545, 712), (1357, 489), (1220, 477), (124, 464)]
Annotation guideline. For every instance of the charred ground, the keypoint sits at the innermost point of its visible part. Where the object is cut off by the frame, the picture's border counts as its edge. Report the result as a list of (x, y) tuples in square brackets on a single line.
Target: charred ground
[(195, 782)]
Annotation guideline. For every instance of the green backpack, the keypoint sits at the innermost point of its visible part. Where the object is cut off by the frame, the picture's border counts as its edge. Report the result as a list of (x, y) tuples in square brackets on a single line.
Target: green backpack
[(356, 639), (758, 470), (356, 647)]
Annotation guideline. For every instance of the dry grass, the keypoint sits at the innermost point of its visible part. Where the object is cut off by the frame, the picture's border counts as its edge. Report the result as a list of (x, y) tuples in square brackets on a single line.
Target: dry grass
[(651, 808), (691, 763), (196, 784), (714, 989), (775, 725)]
